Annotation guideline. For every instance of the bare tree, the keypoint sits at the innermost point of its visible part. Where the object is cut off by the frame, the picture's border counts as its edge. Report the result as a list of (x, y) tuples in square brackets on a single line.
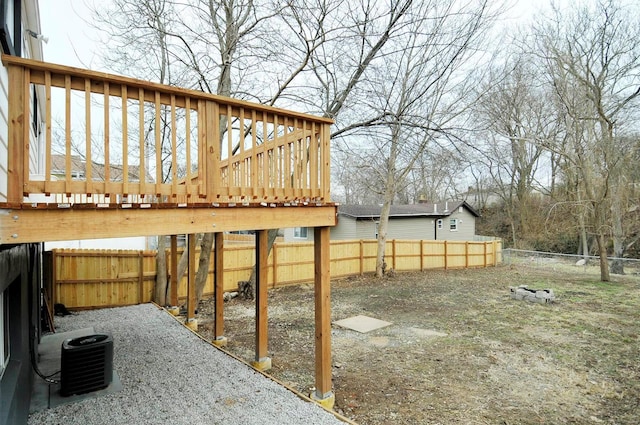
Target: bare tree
[(515, 112), (416, 93), (316, 52), (592, 55)]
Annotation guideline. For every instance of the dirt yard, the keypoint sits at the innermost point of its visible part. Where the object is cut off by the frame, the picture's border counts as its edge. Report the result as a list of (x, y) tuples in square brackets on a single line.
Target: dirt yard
[(501, 361)]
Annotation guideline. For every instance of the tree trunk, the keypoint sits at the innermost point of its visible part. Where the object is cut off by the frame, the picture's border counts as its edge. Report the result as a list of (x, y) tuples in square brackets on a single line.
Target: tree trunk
[(604, 262), (617, 265), (382, 238), (160, 290), (203, 264), (584, 239)]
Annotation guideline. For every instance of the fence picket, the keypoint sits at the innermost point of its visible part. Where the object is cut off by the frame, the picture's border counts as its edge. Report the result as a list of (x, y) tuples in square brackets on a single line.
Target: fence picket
[(81, 279)]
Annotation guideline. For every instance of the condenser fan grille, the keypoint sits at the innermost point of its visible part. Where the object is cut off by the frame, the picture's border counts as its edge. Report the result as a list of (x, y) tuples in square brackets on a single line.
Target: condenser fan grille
[(86, 364)]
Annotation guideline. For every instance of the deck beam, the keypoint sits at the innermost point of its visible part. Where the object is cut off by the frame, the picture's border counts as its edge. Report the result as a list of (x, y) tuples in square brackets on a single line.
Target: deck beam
[(23, 225)]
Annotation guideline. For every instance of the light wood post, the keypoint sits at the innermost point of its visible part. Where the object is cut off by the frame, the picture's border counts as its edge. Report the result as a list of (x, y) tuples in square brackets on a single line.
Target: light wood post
[(174, 271), (262, 360), (322, 260), (141, 276), (466, 255), (18, 145), (218, 291), (446, 256), (361, 257), (191, 282)]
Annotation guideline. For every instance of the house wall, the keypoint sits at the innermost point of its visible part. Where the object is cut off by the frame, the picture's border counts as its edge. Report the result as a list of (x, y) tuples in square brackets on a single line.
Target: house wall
[(466, 227), (20, 265), (407, 228), (137, 243), (19, 282)]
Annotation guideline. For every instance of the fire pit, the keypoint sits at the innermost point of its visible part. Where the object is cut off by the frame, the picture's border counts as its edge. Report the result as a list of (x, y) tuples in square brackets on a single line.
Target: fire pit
[(542, 296)]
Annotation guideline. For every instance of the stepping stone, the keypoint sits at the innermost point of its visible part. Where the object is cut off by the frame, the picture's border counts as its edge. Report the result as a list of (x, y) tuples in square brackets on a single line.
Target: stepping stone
[(362, 324)]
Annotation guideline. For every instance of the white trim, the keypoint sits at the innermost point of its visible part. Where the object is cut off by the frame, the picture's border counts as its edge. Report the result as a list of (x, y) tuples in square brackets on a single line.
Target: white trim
[(453, 224)]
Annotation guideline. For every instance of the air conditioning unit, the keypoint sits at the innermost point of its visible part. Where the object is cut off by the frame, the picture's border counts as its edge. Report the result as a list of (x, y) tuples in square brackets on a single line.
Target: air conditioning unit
[(86, 364)]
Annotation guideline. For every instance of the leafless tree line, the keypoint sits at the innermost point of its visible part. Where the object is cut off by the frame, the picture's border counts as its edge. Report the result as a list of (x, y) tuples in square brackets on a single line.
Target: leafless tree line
[(427, 99)]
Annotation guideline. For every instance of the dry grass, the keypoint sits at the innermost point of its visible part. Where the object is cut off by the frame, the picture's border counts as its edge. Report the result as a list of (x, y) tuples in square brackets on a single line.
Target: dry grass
[(502, 361)]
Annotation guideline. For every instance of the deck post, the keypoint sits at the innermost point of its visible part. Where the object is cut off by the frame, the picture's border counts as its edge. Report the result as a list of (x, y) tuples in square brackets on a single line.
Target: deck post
[(17, 144), (321, 247), (173, 297), (218, 291), (262, 360), (191, 283)]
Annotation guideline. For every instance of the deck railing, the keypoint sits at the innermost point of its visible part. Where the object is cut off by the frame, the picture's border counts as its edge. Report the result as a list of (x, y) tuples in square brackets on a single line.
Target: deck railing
[(106, 139)]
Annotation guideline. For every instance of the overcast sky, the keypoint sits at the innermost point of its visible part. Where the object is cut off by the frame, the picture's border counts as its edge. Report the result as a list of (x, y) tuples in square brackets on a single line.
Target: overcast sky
[(73, 42)]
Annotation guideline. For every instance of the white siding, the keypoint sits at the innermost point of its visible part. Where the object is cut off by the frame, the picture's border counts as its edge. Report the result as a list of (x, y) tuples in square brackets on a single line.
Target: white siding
[(345, 229), (408, 228), (289, 235), (29, 50), (137, 243), (466, 227)]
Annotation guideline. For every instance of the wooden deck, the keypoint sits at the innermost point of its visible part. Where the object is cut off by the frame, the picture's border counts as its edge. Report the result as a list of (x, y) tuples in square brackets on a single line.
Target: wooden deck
[(121, 157), (93, 155)]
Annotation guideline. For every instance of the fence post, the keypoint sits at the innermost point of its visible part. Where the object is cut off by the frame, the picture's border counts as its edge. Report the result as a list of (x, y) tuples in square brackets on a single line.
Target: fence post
[(466, 254), (393, 254), (141, 277), (485, 255), (421, 255), (274, 260), (446, 256), (361, 257)]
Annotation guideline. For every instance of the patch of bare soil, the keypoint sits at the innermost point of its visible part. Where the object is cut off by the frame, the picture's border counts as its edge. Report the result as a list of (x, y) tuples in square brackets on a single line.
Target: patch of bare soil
[(501, 360)]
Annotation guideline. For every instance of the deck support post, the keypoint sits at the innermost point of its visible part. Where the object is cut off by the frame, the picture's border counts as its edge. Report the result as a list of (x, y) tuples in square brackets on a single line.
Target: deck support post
[(322, 261), (262, 360), (218, 291), (173, 292), (191, 283)]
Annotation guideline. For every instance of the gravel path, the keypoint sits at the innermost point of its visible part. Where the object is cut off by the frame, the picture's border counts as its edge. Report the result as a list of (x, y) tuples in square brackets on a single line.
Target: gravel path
[(170, 376)]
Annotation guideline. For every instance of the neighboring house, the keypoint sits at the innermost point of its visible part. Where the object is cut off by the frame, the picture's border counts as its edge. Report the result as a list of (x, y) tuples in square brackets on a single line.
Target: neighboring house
[(98, 171), (450, 220), (20, 264)]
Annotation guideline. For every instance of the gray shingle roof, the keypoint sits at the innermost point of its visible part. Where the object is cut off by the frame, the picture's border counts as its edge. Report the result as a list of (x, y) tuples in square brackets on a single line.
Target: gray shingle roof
[(414, 210)]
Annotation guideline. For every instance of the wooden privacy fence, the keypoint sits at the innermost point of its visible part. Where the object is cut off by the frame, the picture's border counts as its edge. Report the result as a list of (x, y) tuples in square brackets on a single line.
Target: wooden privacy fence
[(105, 278)]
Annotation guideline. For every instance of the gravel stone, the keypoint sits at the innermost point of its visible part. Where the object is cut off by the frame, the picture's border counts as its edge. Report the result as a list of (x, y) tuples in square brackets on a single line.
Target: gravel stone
[(170, 376)]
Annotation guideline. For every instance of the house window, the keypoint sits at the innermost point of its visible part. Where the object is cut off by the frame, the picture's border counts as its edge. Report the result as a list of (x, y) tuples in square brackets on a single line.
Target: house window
[(11, 27), (440, 224), (453, 224), (4, 331), (300, 233)]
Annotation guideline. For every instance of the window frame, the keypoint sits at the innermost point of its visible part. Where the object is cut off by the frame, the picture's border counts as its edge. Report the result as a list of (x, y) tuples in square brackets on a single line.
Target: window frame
[(297, 233), (440, 224), (5, 347), (11, 35), (453, 224)]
